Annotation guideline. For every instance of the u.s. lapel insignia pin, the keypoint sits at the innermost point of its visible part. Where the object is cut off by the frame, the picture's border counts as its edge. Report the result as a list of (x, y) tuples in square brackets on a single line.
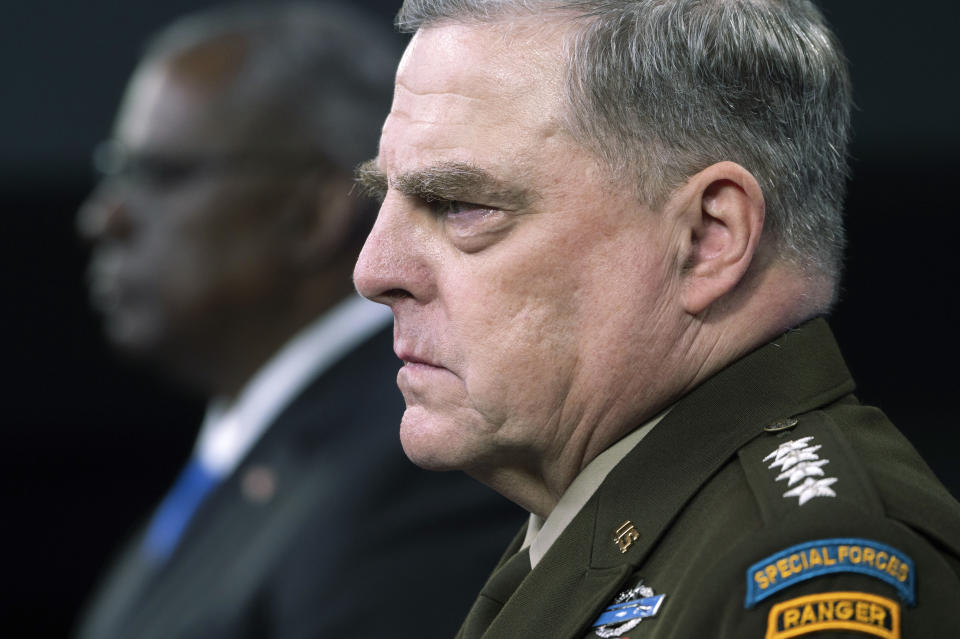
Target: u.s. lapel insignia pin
[(628, 609), (625, 535), (259, 484)]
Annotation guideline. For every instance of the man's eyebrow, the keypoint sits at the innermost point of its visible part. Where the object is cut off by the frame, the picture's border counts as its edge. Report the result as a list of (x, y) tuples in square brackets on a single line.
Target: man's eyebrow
[(447, 182), (371, 180), (461, 181)]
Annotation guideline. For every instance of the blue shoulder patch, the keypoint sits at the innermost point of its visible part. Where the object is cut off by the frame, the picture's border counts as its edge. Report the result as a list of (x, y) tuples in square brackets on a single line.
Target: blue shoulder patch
[(824, 556)]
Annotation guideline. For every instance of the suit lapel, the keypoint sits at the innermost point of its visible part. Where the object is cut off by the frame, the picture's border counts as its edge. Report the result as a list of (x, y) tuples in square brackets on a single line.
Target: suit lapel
[(232, 530), (236, 536)]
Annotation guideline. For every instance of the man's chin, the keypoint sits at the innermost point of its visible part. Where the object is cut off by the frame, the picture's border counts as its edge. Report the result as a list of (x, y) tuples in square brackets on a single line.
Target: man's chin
[(433, 442), (144, 344), (133, 335)]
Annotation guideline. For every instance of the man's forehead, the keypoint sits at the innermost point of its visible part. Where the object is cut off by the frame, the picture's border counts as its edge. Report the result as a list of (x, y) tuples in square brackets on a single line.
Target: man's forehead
[(142, 104), (160, 110), (506, 57), (474, 94)]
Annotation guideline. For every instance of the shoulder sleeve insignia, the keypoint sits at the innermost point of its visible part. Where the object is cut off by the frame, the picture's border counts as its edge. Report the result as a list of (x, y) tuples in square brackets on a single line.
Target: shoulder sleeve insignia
[(824, 556), (850, 611)]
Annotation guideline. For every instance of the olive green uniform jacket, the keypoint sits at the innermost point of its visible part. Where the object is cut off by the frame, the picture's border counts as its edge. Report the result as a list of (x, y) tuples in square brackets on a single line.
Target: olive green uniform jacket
[(767, 503)]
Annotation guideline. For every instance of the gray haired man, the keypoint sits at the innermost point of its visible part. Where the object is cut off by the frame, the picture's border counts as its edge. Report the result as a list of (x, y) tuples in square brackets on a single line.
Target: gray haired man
[(609, 231)]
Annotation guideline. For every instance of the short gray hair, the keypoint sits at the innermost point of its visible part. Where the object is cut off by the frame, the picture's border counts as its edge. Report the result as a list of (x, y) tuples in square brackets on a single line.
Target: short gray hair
[(661, 89), (316, 76)]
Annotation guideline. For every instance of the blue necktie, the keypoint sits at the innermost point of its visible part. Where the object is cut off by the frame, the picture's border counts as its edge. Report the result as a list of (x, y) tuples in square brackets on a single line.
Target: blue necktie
[(177, 508)]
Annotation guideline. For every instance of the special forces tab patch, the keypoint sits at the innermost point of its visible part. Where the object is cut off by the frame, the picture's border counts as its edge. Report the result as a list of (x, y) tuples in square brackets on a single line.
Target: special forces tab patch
[(824, 556), (850, 611)]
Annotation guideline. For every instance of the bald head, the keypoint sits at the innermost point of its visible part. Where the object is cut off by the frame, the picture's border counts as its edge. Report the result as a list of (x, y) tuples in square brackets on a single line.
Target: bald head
[(212, 64), (293, 73)]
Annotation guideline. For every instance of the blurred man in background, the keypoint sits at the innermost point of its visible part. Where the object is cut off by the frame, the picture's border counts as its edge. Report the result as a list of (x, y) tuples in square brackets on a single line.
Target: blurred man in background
[(224, 235)]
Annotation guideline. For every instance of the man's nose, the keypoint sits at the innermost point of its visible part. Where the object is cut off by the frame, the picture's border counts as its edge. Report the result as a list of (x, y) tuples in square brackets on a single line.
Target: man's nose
[(395, 262), (105, 214)]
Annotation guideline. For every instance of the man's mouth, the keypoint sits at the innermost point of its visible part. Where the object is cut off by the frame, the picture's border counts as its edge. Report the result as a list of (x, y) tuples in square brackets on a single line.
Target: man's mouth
[(410, 358)]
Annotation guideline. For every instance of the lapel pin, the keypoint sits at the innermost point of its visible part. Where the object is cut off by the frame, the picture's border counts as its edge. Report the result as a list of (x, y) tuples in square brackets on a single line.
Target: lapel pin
[(259, 484), (781, 424), (625, 535)]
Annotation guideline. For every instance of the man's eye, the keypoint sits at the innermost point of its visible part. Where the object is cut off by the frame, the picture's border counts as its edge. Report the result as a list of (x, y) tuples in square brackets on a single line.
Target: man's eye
[(471, 227), (161, 172), (456, 208), (446, 207)]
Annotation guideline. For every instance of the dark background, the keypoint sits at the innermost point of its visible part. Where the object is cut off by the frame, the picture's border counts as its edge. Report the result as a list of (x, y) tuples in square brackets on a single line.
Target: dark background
[(91, 443)]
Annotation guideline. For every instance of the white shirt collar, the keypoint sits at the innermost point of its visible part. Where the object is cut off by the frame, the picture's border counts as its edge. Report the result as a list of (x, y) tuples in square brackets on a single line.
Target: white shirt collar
[(231, 429), (542, 533)]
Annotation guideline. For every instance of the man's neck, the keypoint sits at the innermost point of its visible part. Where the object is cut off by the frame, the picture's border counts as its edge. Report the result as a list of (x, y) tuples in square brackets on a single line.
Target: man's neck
[(764, 306)]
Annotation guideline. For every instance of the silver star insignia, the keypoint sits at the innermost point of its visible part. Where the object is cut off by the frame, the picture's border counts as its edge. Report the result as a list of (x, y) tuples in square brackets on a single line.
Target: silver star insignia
[(803, 469), (795, 457), (812, 488), (786, 447)]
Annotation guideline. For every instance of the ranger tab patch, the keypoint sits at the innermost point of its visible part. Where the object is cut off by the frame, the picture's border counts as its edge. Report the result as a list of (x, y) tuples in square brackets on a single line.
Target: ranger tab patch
[(850, 611), (824, 556)]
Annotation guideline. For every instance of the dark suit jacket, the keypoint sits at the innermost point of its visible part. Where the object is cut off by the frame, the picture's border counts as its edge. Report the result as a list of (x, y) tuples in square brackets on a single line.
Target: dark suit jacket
[(704, 493), (354, 541)]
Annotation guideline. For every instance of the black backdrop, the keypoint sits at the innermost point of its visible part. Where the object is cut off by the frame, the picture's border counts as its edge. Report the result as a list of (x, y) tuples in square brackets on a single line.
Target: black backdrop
[(91, 443)]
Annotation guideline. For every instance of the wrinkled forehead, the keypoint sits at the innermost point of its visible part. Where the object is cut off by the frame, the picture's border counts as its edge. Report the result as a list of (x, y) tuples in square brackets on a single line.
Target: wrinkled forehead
[(468, 87)]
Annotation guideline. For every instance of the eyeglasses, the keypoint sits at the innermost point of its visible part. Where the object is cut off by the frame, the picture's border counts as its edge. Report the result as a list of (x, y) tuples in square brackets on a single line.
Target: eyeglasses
[(161, 169)]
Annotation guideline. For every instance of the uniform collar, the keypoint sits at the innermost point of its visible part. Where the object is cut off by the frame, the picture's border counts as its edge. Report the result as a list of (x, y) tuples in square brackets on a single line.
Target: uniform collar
[(541, 533), (797, 372)]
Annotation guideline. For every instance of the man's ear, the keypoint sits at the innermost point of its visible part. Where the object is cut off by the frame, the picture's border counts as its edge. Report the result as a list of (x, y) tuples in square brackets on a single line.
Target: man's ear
[(724, 219)]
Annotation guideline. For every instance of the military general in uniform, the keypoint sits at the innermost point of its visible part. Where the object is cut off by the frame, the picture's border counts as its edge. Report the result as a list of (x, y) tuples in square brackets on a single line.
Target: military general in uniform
[(610, 234)]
